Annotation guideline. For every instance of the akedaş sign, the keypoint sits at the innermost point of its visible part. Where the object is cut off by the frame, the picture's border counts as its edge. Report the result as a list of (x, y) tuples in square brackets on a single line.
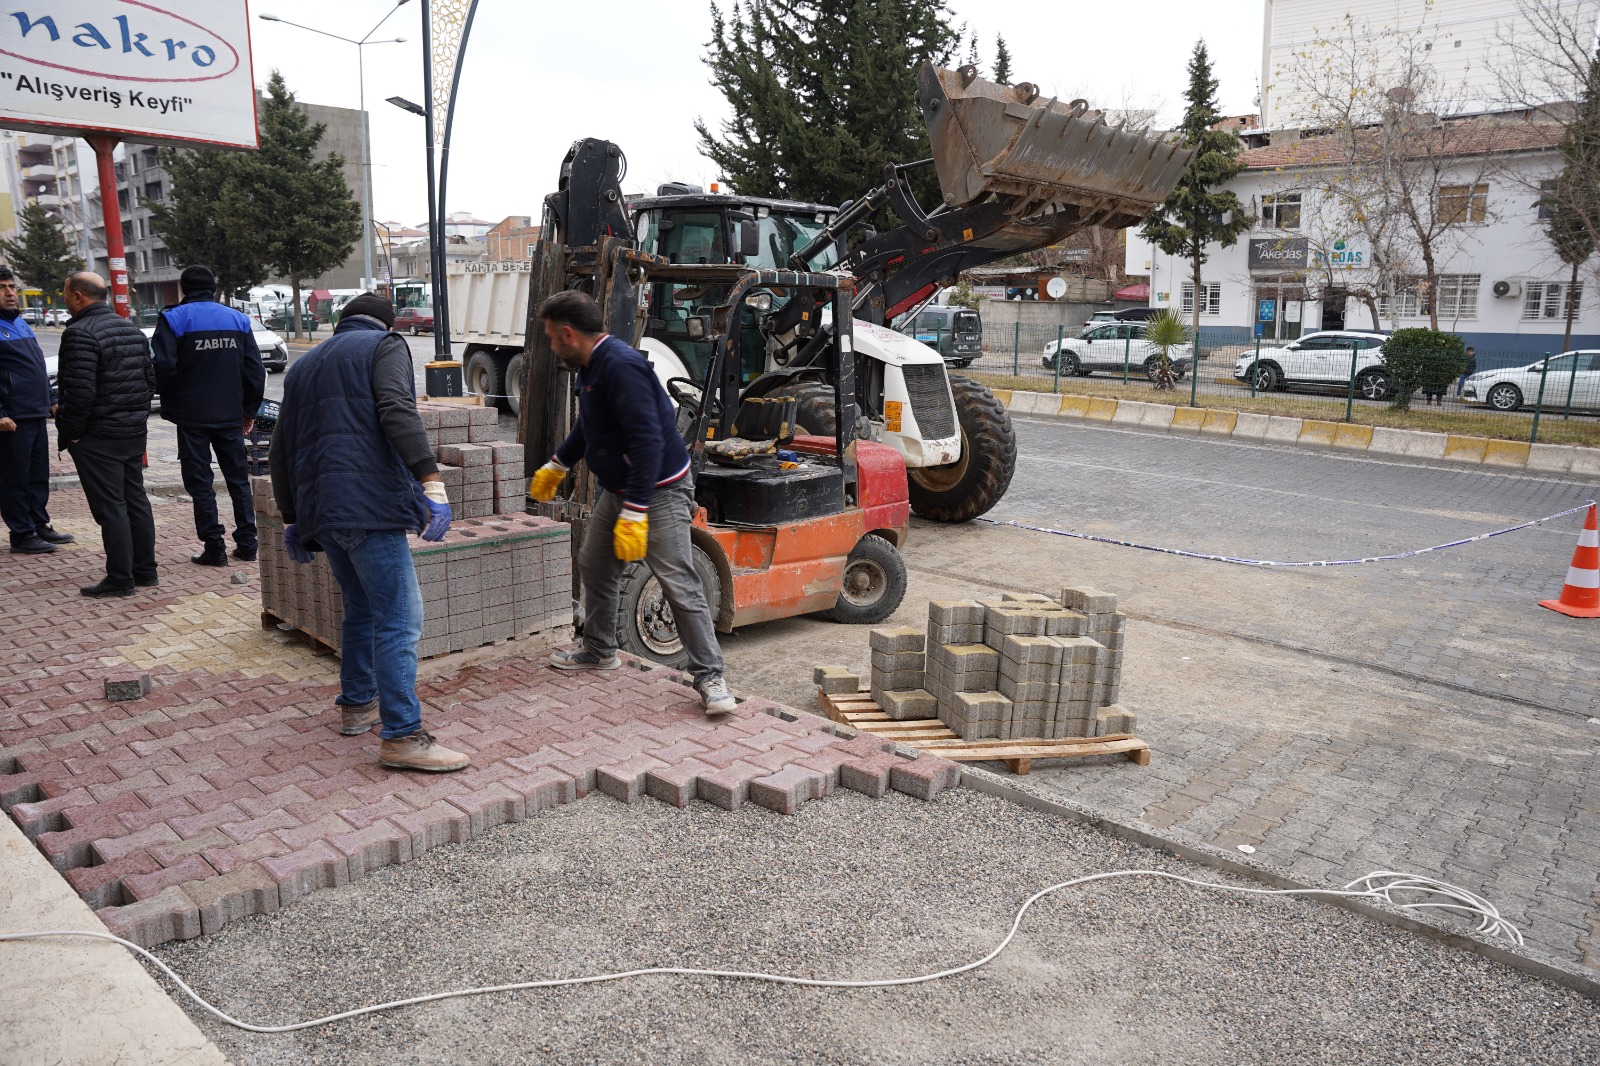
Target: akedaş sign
[(163, 71)]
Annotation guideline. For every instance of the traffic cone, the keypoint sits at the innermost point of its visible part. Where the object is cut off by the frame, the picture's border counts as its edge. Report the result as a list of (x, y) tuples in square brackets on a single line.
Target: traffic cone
[(1580, 596)]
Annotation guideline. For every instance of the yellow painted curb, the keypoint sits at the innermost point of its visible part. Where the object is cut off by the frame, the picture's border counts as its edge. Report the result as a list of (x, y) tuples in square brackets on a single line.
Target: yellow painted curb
[(1506, 453), (1350, 435), (1457, 446), (1315, 432), (1188, 417), (1220, 421), (1004, 396), (1102, 409), (1075, 406)]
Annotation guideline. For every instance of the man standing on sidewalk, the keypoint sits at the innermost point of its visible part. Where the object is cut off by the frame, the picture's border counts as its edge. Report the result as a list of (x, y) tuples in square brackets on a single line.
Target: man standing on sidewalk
[(627, 433), (352, 473), (26, 401), (106, 381), (209, 374)]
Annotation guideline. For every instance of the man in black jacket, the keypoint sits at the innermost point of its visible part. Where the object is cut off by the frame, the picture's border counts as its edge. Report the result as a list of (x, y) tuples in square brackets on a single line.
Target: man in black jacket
[(105, 380), (26, 401), (209, 374)]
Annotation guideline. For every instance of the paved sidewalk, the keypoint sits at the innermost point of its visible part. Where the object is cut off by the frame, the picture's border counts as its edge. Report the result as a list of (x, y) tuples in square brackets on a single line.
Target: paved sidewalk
[(227, 791)]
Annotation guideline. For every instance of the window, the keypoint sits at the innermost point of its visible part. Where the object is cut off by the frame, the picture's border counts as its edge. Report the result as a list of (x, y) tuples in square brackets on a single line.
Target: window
[(1210, 298), (160, 258), (1281, 211), (1546, 202), (1463, 203), (1549, 299), (1458, 295)]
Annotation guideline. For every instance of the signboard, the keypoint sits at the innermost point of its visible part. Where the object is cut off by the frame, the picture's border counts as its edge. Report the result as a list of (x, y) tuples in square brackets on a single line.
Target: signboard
[(1343, 254), (1291, 310), (1268, 310), (1271, 253), (162, 72), (499, 266)]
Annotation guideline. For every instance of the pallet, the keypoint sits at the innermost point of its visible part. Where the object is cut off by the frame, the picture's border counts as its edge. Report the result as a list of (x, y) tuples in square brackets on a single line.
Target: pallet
[(305, 636), (860, 711)]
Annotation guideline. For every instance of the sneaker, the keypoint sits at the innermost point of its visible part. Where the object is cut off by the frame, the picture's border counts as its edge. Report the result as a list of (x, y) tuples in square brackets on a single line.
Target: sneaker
[(102, 589), (33, 545), (714, 695), (583, 659), (214, 555), (47, 534), (419, 751), (357, 718), (245, 555)]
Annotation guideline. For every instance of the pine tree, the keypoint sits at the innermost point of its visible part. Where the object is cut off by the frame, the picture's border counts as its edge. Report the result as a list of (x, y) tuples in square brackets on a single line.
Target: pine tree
[(207, 218), (42, 257), (1573, 209), (822, 93), (1002, 61), (972, 52), (299, 205), (1193, 215)]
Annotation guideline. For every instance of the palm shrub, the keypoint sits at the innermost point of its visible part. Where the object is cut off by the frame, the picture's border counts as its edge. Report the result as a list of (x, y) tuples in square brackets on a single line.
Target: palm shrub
[(1165, 332), (1422, 359)]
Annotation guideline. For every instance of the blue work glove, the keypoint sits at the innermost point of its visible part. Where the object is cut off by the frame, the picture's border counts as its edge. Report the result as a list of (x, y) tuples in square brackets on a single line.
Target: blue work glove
[(438, 511), (292, 546)]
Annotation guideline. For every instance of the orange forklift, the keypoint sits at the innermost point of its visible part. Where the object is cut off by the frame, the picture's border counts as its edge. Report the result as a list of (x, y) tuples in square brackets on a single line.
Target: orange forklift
[(788, 524)]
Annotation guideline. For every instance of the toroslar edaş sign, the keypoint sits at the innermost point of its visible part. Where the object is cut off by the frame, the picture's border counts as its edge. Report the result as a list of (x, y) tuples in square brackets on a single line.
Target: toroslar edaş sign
[(151, 70)]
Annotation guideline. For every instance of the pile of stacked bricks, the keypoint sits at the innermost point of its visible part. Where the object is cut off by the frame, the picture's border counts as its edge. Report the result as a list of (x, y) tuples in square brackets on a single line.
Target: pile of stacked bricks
[(499, 573), (1023, 667)]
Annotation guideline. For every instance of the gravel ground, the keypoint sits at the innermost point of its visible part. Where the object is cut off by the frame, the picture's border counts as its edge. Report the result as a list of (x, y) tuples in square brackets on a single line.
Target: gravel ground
[(1132, 972)]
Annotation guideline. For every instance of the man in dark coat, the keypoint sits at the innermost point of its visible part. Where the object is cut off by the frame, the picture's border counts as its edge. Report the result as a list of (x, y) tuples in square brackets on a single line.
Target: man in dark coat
[(209, 374), (26, 401), (105, 382)]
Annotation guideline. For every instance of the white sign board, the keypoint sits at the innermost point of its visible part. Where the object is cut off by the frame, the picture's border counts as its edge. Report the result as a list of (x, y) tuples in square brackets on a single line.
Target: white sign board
[(163, 71), (1343, 254)]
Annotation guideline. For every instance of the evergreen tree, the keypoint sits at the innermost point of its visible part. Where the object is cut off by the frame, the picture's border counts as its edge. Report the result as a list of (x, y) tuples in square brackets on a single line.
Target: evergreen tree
[(972, 52), (207, 217), (1193, 215), (1573, 209), (42, 257), (1002, 62), (822, 93), (299, 206)]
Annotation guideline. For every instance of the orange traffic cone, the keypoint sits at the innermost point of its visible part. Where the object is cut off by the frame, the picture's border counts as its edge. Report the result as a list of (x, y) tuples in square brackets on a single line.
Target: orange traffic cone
[(1580, 596)]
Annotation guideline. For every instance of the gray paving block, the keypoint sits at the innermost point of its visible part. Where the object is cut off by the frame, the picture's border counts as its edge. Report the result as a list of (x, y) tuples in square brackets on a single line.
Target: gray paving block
[(955, 612), (1088, 600), (897, 680), (959, 633), (1115, 719), (895, 662), (897, 639), (836, 680), (906, 704)]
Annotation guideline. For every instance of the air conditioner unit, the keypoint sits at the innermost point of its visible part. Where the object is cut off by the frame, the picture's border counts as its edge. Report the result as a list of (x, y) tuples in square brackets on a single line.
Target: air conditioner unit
[(1506, 289)]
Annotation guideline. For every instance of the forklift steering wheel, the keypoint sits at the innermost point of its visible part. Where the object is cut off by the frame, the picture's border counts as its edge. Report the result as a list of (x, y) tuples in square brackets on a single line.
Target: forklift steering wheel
[(685, 394)]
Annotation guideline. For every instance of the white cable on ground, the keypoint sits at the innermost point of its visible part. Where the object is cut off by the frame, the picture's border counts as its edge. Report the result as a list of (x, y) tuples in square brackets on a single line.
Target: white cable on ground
[(1379, 886)]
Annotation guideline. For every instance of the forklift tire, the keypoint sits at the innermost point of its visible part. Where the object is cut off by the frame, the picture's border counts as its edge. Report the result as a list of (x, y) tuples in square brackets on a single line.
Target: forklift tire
[(874, 583), (485, 379), (973, 484), (644, 618), (514, 384)]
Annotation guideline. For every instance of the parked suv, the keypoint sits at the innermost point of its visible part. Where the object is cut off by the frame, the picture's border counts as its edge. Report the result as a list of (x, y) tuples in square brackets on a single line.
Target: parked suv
[(956, 332), (1110, 346), (1321, 359)]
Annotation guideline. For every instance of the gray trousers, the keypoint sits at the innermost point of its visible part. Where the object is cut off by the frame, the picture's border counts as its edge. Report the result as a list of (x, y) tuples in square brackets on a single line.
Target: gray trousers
[(671, 514)]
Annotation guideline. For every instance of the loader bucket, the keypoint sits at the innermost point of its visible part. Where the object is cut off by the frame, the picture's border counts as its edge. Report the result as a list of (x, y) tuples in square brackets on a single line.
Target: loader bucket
[(1004, 140)]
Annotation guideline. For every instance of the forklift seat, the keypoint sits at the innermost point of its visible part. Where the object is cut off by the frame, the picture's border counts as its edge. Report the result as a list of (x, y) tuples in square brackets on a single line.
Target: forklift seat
[(763, 418)]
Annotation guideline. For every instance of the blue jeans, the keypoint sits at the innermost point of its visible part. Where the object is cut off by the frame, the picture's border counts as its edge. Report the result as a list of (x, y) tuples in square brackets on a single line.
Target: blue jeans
[(382, 624)]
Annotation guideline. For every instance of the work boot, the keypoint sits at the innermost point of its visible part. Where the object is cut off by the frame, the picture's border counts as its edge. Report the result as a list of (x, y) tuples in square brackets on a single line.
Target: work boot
[(46, 533), (583, 659), (419, 751), (214, 555), (104, 588), (245, 555), (358, 717), (32, 545), (714, 695)]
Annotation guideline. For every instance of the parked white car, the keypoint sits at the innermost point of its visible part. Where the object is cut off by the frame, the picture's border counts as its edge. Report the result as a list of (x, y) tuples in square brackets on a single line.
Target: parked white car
[(1570, 374), (1111, 346), (1321, 359)]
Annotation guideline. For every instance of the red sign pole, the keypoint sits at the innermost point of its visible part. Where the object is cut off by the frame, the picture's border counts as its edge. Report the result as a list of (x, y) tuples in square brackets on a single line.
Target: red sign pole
[(115, 251)]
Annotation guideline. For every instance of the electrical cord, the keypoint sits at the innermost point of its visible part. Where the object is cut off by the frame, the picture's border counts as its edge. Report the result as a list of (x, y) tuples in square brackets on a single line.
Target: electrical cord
[(1379, 886)]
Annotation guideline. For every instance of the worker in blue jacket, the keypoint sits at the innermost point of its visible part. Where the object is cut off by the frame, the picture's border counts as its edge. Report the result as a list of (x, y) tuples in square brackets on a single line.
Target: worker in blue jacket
[(210, 377), (27, 399)]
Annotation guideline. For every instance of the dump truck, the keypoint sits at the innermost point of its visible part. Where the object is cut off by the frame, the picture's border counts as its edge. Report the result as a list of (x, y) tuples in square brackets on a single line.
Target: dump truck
[(1015, 173)]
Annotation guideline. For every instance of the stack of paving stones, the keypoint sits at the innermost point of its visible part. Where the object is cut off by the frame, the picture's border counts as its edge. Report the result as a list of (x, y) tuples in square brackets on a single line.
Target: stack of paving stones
[(490, 579), (482, 476), (1022, 667)]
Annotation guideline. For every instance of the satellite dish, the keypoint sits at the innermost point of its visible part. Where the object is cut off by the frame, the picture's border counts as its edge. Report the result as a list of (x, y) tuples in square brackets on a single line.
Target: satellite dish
[(1056, 287)]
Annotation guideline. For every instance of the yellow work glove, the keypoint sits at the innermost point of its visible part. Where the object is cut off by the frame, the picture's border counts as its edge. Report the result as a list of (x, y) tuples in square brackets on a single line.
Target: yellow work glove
[(630, 539), (542, 486)]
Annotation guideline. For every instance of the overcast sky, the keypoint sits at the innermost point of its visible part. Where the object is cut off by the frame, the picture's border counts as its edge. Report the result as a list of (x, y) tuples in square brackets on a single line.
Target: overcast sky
[(539, 75)]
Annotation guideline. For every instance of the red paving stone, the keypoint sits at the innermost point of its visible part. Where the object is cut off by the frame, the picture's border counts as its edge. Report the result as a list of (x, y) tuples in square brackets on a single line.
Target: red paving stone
[(228, 791)]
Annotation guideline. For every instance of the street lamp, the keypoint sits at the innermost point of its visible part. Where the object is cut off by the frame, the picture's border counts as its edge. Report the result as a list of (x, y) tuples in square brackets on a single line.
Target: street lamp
[(366, 164), (441, 339)]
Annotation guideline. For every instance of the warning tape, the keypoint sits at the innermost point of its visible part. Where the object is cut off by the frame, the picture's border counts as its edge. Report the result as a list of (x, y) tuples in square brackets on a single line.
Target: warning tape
[(1184, 553)]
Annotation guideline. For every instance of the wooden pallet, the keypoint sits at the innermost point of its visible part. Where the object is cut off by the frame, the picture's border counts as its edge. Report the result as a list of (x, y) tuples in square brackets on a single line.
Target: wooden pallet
[(859, 711)]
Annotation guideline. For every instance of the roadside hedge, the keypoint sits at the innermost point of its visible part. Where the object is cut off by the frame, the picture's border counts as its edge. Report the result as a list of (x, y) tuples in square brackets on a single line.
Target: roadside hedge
[(1428, 359)]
